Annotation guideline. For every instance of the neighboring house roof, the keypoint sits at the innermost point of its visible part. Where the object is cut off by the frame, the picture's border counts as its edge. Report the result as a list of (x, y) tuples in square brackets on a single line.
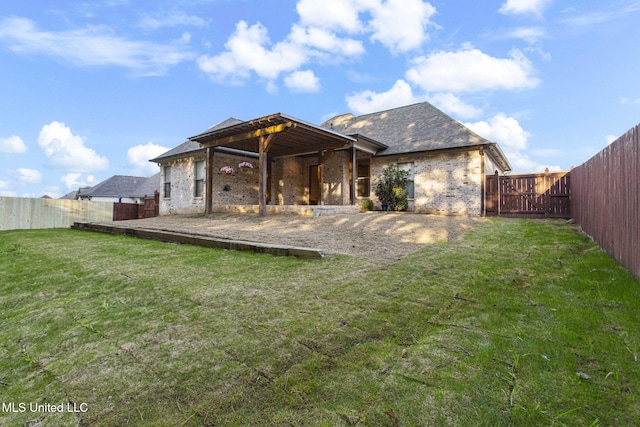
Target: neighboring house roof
[(120, 186), (413, 128), (148, 187), (75, 195)]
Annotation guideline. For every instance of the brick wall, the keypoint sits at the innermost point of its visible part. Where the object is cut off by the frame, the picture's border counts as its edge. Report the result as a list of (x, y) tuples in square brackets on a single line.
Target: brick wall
[(240, 188), (446, 183), (336, 179), (290, 179)]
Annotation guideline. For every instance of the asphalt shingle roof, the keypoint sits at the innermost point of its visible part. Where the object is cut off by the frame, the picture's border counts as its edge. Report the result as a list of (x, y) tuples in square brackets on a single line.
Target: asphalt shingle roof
[(192, 146), (117, 186), (409, 129)]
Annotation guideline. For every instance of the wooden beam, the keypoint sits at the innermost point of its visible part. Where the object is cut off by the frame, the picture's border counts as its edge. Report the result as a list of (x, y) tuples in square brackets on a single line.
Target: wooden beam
[(263, 147), (271, 130), (208, 186)]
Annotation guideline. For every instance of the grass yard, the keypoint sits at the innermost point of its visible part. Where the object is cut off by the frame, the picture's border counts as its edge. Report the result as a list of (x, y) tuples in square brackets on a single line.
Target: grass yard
[(519, 323)]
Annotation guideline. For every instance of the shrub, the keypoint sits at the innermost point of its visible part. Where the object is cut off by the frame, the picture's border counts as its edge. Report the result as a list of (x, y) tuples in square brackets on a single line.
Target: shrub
[(401, 200), (367, 205), (390, 189)]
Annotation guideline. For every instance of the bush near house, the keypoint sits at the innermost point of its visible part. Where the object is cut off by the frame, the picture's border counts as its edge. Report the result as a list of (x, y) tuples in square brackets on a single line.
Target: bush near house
[(391, 190)]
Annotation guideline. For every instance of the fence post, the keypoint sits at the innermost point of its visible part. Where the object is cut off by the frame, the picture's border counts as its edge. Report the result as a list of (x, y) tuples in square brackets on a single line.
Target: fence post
[(546, 196), (496, 197)]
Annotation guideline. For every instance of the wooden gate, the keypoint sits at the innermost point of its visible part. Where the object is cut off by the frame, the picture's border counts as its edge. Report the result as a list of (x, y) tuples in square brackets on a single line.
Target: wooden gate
[(126, 211), (542, 195)]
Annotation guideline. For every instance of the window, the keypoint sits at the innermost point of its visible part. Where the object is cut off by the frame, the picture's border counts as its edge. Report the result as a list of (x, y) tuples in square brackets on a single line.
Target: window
[(364, 178), (200, 176), (167, 182), (410, 187)]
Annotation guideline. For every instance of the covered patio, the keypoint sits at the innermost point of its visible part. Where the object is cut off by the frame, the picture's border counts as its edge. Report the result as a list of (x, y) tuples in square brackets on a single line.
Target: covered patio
[(279, 136)]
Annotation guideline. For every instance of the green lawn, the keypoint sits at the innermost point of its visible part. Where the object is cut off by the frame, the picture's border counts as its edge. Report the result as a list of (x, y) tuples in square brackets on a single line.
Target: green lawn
[(519, 323)]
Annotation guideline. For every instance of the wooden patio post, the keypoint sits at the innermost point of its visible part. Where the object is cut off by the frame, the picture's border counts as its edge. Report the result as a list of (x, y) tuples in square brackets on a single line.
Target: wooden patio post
[(263, 145), (208, 200), (354, 175), (321, 177), (322, 158)]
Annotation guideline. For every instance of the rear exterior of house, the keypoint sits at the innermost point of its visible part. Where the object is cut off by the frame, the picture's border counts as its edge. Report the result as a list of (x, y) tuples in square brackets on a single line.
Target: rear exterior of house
[(337, 163)]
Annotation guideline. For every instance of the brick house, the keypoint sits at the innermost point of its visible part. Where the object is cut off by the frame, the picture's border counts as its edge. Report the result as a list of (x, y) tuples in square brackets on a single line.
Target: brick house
[(297, 164)]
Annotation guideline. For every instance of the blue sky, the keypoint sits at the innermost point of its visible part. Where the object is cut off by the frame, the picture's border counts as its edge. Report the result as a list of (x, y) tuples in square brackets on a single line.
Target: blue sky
[(93, 89)]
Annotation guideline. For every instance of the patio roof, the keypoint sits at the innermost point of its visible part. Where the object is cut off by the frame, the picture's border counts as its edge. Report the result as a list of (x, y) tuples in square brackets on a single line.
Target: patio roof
[(291, 136)]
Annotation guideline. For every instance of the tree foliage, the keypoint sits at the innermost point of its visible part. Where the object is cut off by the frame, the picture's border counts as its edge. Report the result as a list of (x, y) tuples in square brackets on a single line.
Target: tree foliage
[(390, 189)]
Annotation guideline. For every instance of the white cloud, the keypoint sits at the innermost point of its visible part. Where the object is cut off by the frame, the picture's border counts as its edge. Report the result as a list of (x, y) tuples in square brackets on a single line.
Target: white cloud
[(138, 157), (67, 151), (626, 101), (29, 176), (343, 16), (302, 81), (528, 34), (5, 189), (504, 130), (73, 181), (453, 105), (12, 144), (325, 41), (246, 52), (511, 137), (171, 19), (319, 37), (92, 46), (369, 101), (471, 70), (594, 18), (401, 25), (516, 7)]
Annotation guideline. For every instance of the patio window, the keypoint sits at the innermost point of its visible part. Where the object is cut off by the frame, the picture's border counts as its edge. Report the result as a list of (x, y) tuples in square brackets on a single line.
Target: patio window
[(363, 180), (200, 176), (167, 182), (410, 168)]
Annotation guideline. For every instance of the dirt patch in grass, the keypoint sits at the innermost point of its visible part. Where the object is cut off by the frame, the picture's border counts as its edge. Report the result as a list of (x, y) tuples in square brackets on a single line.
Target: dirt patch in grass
[(385, 237)]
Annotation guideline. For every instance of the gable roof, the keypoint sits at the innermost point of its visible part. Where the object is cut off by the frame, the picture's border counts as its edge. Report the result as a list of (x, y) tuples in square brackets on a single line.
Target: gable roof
[(192, 147), (74, 195), (295, 136), (118, 186), (411, 129), (148, 186)]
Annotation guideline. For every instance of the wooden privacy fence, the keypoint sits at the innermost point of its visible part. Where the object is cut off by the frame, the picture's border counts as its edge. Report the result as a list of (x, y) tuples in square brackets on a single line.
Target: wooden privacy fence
[(606, 199), (18, 213), (149, 209), (541, 195)]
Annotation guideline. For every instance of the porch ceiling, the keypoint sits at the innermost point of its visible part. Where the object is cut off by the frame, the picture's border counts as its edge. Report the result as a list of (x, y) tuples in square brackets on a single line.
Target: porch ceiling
[(291, 136)]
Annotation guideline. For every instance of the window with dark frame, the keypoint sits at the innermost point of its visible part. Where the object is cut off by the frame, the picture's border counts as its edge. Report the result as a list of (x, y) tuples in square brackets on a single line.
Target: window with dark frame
[(167, 182), (410, 187), (363, 180), (200, 176)]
